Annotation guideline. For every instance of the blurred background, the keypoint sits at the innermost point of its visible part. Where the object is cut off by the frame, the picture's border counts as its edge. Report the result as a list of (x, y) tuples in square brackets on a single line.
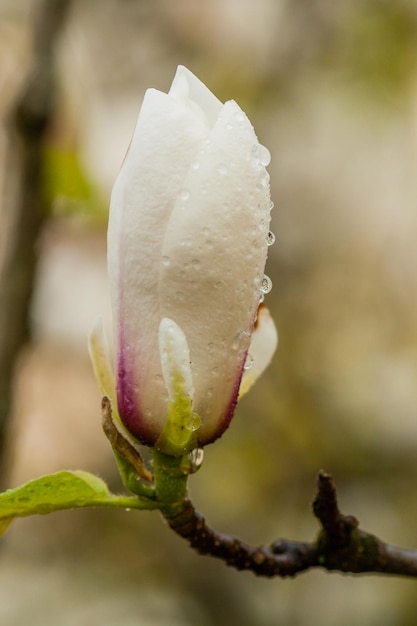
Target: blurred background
[(331, 88)]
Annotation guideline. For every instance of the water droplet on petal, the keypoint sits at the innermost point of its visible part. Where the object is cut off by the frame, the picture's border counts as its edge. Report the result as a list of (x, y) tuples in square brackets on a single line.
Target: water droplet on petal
[(264, 179), (196, 458), (222, 169), (241, 341), (194, 422), (266, 284), (184, 194), (248, 362), (166, 261), (270, 238), (195, 165), (264, 155)]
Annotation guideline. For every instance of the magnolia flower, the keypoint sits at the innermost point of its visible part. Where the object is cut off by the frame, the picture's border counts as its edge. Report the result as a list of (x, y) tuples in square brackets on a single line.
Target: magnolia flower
[(187, 244)]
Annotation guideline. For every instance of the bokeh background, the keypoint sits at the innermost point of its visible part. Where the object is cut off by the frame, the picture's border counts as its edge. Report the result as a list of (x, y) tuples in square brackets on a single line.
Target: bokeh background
[(331, 88)]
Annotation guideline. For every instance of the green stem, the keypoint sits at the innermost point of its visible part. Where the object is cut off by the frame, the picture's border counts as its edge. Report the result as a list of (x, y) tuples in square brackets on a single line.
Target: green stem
[(171, 475), (131, 479), (126, 502)]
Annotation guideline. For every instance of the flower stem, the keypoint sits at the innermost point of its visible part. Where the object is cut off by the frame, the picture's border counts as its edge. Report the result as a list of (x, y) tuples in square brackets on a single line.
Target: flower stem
[(170, 476)]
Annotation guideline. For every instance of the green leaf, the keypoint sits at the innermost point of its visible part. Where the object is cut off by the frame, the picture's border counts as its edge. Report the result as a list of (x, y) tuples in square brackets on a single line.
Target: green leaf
[(63, 490)]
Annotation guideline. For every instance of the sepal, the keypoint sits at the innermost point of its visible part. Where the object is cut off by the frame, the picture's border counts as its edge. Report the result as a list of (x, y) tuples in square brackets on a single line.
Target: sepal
[(178, 436)]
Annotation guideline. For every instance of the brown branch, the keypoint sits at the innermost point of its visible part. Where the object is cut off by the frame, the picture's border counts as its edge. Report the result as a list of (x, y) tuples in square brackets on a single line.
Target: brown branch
[(340, 545), (30, 120), (343, 546), (283, 558)]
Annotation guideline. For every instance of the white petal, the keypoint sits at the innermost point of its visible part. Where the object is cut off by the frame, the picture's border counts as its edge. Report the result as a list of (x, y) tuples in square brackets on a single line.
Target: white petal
[(99, 353), (215, 245), (150, 181), (187, 87), (261, 350)]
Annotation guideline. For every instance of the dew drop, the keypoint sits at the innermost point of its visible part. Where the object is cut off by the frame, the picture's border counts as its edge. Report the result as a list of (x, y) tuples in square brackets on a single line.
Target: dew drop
[(270, 238), (196, 165), (196, 264), (222, 169), (248, 362), (194, 422), (196, 458), (241, 341), (264, 155), (264, 179), (184, 194), (166, 261), (266, 284)]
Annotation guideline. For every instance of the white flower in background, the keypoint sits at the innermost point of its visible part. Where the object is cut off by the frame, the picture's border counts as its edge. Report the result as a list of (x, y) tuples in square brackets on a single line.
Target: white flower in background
[(187, 245)]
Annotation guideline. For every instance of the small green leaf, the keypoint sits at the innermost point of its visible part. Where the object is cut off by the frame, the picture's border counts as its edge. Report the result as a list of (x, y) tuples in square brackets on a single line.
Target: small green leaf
[(63, 490), (50, 493)]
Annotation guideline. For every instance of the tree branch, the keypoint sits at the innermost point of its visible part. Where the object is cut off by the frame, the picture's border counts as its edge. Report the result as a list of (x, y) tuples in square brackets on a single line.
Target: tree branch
[(340, 544), (30, 121)]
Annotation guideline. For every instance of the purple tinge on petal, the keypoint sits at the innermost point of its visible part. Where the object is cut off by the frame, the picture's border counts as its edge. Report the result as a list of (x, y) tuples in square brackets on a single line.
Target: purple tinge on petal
[(224, 422), (127, 393)]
